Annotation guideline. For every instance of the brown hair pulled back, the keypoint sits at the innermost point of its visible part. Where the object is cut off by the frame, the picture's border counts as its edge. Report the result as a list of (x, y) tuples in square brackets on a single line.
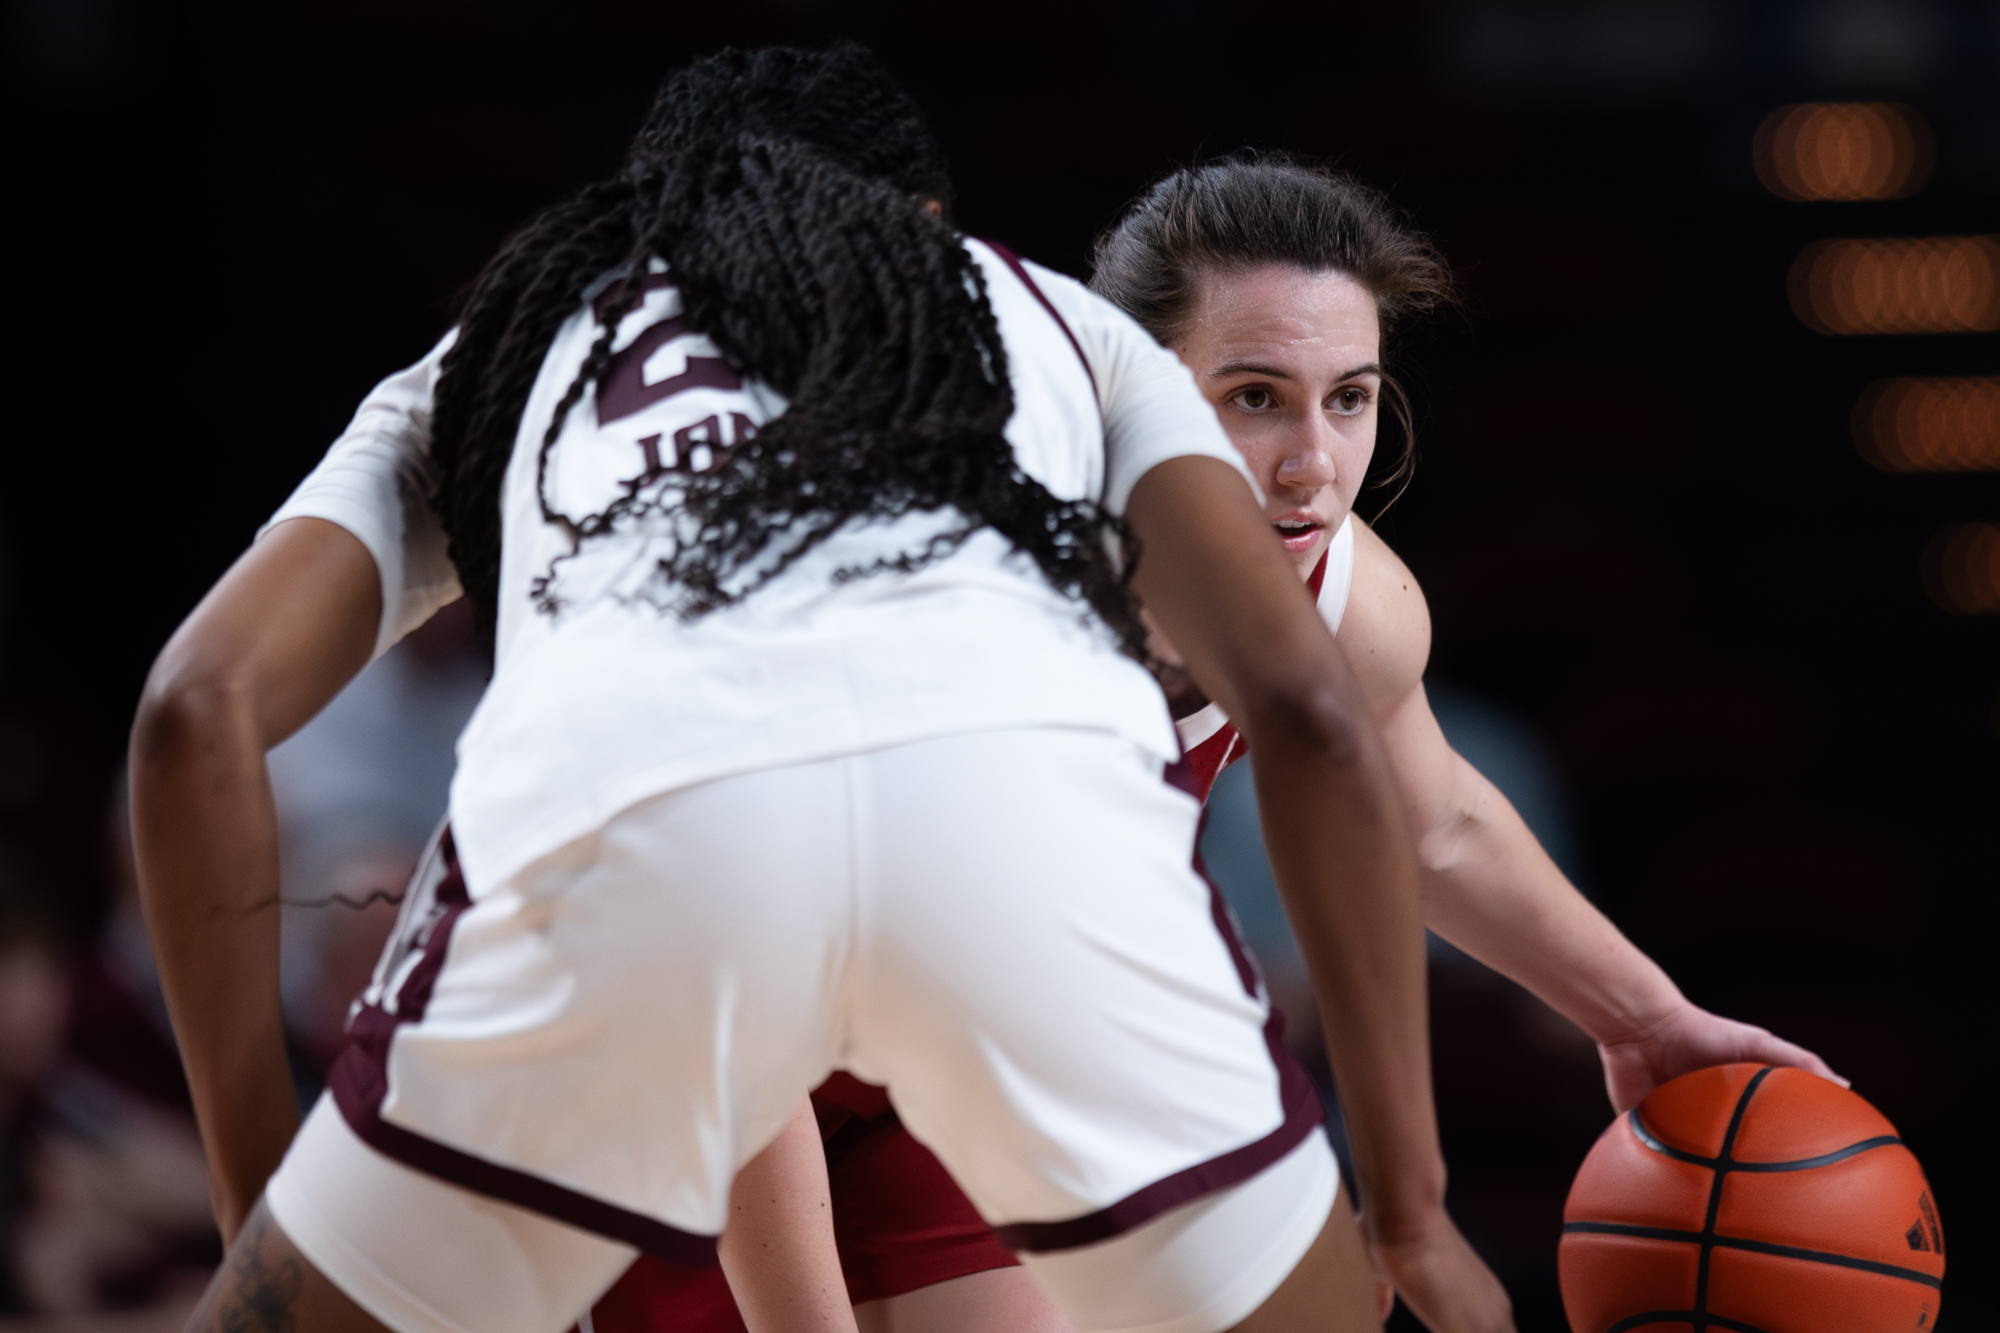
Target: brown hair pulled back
[(1233, 215)]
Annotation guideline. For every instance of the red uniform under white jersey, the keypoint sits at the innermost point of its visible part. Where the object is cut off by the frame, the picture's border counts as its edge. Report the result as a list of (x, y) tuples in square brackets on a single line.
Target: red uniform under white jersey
[(1209, 740), (899, 1221)]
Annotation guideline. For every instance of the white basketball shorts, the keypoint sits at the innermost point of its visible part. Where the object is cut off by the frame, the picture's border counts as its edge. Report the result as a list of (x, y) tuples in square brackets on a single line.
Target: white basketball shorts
[(1004, 928)]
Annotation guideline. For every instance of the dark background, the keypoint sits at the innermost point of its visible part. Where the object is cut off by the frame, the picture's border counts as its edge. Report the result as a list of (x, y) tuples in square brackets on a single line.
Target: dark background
[(1638, 512)]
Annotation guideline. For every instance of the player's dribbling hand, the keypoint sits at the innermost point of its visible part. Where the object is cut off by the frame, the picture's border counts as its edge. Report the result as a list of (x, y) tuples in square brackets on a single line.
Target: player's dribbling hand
[(1443, 1282), (1688, 1039)]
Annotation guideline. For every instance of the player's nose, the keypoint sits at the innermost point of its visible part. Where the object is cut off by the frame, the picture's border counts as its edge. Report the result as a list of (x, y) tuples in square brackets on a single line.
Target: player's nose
[(1307, 462)]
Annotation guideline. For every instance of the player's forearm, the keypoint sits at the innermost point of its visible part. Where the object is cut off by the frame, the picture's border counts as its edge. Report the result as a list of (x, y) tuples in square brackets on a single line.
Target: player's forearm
[(1340, 853), (778, 1249), (206, 848), (1493, 892)]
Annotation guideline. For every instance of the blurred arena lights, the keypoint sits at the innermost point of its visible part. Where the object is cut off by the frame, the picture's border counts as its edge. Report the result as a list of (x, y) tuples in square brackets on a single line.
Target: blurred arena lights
[(1938, 284), (1962, 569), (1813, 151), (1930, 424)]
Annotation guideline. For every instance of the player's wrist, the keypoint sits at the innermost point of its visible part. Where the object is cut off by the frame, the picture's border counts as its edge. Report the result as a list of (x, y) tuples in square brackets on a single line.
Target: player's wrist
[(1411, 1222), (1403, 1203), (1636, 1017)]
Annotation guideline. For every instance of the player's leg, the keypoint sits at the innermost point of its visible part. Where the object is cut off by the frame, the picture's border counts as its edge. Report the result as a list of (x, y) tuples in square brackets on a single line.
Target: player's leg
[(576, 1063), (916, 1255), (265, 1284), (1323, 1292), (1054, 1001), (999, 1300)]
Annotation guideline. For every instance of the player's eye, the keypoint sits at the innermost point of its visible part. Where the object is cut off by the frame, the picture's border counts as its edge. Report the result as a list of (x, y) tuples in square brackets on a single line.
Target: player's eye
[(1349, 402), (1256, 398)]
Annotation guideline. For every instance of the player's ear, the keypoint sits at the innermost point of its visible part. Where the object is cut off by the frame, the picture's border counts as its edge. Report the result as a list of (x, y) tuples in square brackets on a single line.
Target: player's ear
[(934, 207)]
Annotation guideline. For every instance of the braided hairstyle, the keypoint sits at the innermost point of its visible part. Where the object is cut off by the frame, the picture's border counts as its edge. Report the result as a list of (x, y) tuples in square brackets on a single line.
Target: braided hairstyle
[(787, 192), (1268, 208)]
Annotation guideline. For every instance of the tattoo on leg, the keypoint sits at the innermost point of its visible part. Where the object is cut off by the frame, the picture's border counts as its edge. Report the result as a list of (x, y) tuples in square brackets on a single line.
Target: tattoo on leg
[(250, 1295)]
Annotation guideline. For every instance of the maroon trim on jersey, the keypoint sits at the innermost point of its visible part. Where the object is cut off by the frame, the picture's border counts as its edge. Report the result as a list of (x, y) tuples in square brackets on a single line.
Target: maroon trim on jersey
[(1013, 261), (359, 1080), (1303, 1112)]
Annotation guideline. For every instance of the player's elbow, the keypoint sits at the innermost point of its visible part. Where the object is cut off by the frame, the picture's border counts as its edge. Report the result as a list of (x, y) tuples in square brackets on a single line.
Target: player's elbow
[(185, 708), (1307, 713), (1441, 846)]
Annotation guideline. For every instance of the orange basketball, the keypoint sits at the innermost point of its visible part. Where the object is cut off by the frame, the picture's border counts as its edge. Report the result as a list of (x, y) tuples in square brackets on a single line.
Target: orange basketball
[(1754, 1199)]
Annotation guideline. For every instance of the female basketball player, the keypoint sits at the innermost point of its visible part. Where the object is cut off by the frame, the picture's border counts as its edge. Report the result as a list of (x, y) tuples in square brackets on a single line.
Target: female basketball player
[(810, 742), (1275, 282)]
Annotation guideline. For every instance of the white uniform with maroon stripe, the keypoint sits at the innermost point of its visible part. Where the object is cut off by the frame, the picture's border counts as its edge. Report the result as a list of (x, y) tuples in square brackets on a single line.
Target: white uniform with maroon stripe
[(912, 826)]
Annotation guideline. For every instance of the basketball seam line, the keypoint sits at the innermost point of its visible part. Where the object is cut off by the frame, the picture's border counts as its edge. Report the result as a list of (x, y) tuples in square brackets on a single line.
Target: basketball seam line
[(1753, 1246), (1721, 1169), (1648, 1138)]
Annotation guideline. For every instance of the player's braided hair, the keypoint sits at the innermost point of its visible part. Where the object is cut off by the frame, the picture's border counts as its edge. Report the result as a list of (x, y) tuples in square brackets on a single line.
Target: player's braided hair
[(786, 189), (1268, 208)]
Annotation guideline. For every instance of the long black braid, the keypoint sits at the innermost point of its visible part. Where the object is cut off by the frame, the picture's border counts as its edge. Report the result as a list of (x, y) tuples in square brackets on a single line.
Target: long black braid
[(786, 190)]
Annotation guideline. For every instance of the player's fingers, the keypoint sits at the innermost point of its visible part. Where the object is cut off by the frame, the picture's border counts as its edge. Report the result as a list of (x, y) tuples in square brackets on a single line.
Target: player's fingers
[(1627, 1078), (1775, 1050)]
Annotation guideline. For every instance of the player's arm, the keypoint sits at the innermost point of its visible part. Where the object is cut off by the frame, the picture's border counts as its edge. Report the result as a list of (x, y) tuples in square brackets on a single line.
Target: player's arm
[(778, 1249), (1223, 591), (1490, 888), (292, 622)]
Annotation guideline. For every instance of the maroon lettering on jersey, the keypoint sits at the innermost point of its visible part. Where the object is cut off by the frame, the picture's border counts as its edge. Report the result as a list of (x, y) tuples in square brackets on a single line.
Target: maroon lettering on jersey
[(622, 389), (694, 448), (653, 282)]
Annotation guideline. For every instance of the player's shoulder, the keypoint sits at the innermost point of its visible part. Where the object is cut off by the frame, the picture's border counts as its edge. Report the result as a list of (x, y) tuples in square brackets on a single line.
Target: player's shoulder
[(1098, 324), (1386, 632)]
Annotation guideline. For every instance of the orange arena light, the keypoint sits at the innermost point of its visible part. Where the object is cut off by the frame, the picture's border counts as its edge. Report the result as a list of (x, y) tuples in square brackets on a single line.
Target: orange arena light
[(1962, 569), (1843, 150), (1930, 425), (1938, 284)]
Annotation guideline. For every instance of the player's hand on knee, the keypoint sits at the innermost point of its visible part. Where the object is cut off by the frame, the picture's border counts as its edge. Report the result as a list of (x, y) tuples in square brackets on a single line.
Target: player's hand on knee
[(1692, 1038), (1441, 1279)]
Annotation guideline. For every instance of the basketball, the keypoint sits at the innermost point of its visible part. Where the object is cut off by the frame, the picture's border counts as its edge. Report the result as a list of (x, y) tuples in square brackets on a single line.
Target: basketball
[(1751, 1198)]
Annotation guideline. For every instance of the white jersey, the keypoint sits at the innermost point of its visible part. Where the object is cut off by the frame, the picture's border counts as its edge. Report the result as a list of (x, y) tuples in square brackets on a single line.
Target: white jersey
[(610, 700), (1336, 581)]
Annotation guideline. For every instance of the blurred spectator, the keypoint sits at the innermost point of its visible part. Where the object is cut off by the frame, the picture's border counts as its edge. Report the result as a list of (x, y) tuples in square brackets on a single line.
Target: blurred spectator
[(103, 1191), (33, 1012)]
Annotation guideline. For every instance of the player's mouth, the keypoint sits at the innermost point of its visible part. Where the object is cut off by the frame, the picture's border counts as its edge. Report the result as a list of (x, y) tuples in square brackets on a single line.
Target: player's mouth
[(1298, 531)]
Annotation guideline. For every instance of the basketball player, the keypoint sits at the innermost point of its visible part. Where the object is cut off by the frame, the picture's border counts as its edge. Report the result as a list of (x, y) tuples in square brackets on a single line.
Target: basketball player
[(1275, 281), (817, 726)]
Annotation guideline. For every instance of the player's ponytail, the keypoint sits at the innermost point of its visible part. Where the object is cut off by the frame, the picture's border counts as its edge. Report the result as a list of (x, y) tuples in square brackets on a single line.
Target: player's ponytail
[(518, 303), (788, 192)]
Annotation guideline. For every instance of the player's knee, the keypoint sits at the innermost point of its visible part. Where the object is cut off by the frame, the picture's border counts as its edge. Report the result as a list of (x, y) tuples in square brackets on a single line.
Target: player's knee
[(265, 1282)]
